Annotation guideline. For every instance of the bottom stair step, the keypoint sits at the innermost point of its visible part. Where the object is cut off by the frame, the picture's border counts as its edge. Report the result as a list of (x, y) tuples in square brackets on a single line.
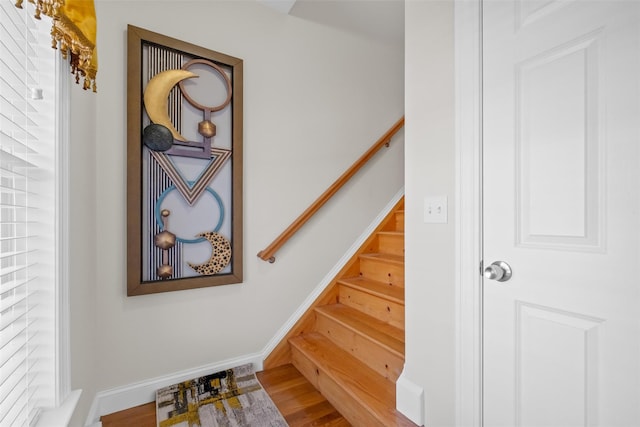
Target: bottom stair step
[(362, 396), (298, 400)]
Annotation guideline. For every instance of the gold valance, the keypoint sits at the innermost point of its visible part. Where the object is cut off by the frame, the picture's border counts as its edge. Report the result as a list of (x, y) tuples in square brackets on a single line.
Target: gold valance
[(74, 30)]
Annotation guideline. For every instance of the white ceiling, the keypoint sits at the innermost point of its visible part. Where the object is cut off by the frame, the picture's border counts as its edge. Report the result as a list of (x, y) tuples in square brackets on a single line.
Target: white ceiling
[(382, 20)]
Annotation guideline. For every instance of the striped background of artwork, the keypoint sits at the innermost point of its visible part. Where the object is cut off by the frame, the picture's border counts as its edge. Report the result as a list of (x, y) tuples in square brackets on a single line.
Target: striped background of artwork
[(158, 182), (161, 59)]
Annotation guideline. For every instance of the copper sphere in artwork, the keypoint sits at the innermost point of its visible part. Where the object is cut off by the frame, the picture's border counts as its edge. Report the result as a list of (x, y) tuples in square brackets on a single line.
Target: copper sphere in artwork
[(165, 271), (207, 129), (165, 240)]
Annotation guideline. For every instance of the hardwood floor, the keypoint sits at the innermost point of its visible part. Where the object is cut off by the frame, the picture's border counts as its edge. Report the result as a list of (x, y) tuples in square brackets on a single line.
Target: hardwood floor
[(298, 401), (140, 416)]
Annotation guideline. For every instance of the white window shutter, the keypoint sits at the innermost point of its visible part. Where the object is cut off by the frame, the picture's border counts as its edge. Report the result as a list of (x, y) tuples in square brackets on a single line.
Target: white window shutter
[(27, 218)]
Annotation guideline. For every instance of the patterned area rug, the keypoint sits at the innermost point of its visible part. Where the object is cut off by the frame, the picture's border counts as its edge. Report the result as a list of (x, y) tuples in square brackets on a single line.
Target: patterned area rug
[(231, 398)]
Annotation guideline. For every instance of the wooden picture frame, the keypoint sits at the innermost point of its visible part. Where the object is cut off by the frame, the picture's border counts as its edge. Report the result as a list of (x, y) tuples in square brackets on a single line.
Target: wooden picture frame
[(173, 191)]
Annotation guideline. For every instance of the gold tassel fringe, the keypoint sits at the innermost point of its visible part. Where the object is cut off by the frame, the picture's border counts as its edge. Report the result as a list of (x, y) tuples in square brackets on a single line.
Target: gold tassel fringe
[(75, 44)]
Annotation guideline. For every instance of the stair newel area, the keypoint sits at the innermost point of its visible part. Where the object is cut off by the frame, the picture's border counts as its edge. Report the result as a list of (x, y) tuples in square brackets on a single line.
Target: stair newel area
[(350, 343)]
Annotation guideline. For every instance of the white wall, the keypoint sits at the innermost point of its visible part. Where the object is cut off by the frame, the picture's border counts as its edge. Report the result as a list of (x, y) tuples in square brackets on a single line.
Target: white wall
[(429, 171), (82, 246), (315, 100)]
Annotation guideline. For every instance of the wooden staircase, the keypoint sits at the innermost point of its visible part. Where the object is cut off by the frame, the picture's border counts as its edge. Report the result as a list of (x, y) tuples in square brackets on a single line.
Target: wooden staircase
[(350, 343)]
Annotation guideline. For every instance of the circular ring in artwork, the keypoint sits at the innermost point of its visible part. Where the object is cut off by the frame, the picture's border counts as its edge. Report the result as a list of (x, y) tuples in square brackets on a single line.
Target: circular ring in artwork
[(157, 212), (221, 72)]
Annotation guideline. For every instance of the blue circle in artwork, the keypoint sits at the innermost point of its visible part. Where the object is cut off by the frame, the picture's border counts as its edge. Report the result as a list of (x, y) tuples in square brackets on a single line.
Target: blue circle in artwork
[(180, 239)]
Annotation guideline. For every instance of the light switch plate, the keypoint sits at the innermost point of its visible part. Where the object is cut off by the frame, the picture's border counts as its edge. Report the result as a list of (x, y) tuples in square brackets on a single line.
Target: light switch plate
[(435, 210)]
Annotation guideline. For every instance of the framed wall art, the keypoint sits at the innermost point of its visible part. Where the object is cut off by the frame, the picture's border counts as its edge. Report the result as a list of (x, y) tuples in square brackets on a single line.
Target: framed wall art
[(184, 165)]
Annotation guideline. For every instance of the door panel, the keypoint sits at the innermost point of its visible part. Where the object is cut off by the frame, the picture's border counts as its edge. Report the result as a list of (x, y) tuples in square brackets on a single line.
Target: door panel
[(557, 145), (561, 186), (556, 366)]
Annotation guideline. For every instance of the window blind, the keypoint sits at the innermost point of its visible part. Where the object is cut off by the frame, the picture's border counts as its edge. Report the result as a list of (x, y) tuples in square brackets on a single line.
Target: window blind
[(27, 218)]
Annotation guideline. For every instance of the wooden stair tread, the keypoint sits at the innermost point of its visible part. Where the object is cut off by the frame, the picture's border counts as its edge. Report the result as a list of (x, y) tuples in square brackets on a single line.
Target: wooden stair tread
[(389, 258), (373, 287), (386, 335), (364, 385), (392, 233), (281, 379)]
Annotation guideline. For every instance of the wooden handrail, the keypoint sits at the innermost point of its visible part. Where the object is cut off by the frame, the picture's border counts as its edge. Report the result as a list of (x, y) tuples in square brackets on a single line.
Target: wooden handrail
[(268, 254)]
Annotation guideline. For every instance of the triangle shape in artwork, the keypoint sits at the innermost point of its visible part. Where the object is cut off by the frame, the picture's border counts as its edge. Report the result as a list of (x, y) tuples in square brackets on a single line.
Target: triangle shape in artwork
[(192, 192)]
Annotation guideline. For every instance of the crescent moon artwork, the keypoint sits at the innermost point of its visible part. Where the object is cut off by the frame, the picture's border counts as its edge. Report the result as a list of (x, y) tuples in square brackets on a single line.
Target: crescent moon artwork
[(220, 254), (156, 97)]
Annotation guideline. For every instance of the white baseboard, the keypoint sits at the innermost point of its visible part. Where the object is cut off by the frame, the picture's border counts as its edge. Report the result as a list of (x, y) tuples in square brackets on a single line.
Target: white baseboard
[(120, 398), (410, 399), (279, 336)]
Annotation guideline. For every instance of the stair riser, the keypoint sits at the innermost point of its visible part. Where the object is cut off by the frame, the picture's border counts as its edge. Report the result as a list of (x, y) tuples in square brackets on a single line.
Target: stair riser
[(382, 271), (306, 367), (345, 404), (391, 243), (385, 362), (343, 401), (380, 308), (399, 221)]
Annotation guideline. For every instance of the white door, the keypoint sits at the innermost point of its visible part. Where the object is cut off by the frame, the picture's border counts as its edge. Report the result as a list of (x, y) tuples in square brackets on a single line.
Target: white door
[(561, 205)]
